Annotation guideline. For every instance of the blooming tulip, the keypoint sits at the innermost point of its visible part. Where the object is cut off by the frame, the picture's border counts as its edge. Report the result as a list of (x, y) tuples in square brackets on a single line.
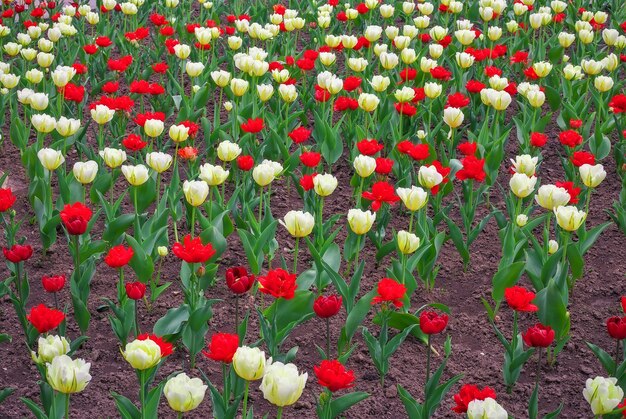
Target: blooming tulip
[(184, 393), (282, 384), (66, 375)]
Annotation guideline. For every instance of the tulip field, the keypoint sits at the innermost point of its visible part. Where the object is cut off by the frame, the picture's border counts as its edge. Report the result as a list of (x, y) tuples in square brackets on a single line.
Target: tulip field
[(299, 209)]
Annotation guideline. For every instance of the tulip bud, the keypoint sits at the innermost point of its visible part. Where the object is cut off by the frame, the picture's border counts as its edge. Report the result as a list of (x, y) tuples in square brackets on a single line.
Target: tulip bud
[(453, 117), (282, 384), (407, 242), (298, 223), (85, 172), (153, 127), (263, 174), (196, 192), (413, 198), (135, 175), (522, 185), (360, 222), (364, 165), (67, 126), (113, 157), (368, 102), (592, 176), (521, 220), (249, 363), (158, 161), (324, 184), (102, 114), (213, 175), (50, 159), (142, 354), (162, 251)]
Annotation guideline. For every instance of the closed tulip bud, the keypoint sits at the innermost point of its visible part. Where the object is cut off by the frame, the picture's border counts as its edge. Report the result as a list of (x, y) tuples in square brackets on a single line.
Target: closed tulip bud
[(499, 100), (288, 92), (364, 165), (195, 191), (228, 151), (566, 39), (553, 247), (179, 133), (571, 72), (213, 175), (494, 33), (453, 117), (386, 11), (68, 376), (600, 17), (324, 184), (49, 347), (602, 83), (368, 102), (158, 161), (603, 394), (109, 4), (413, 198), (435, 50), (92, 18), (263, 174), (182, 51), (9, 81), (153, 127), (401, 42), (282, 384), (265, 91), (519, 9), (221, 78), (585, 36), (610, 62), (569, 217), (426, 64), (407, 242), (421, 22), (408, 7), (361, 222), (327, 58), (162, 251), (67, 126), (592, 176), (620, 43), (429, 177), (512, 26), (142, 354), (298, 223), (438, 33), (536, 98), (129, 9), (558, 6), (113, 157), (464, 60), (50, 159), (485, 409), (521, 220), (28, 54), (409, 56), (43, 123), (551, 197), (349, 41), (136, 175), (357, 64), (183, 393), (522, 185), (425, 8), (85, 172), (102, 114), (249, 363), (34, 76), (380, 83), (486, 13), (432, 90), (609, 36)]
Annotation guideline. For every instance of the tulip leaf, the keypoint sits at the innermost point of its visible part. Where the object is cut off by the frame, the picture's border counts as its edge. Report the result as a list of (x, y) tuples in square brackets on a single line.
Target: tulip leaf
[(6, 392), (117, 227), (36, 410), (172, 322), (552, 310), (412, 407), (125, 407), (343, 403), (506, 277)]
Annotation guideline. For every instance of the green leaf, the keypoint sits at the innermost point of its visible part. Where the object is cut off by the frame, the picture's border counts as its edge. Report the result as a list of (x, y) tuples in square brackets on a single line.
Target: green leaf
[(6, 392), (126, 408), (552, 310), (605, 359), (172, 322), (506, 277), (343, 403), (412, 407)]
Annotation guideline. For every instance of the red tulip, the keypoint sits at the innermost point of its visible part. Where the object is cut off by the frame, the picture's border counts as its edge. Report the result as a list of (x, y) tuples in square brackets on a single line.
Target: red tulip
[(384, 165), (473, 168), (539, 336), (538, 139), (18, 253), (520, 299), (616, 326), (369, 147), (245, 163), (623, 300), (327, 306), (238, 280), (381, 192), (432, 323), (253, 125), (53, 283), (135, 290), (468, 393), (333, 375), (7, 199), (310, 158), (278, 283), (119, 256), (192, 250), (222, 347), (75, 218), (390, 291), (45, 319)]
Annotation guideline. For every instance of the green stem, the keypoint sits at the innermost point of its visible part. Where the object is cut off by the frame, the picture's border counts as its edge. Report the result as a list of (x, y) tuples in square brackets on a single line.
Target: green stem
[(67, 406), (226, 394), (328, 338), (142, 393), (427, 363), (279, 413), (245, 399), (617, 354), (295, 256), (260, 205), (193, 221)]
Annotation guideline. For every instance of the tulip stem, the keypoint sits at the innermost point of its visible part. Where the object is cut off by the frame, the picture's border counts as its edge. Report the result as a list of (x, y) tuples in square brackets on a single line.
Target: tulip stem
[(295, 255), (236, 314), (538, 377), (67, 405), (137, 331), (193, 221), (260, 205), (279, 413), (427, 362), (617, 353), (142, 393), (245, 399)]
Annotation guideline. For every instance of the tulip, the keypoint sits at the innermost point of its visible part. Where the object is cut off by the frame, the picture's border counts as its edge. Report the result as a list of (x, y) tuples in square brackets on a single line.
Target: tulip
[(263, 174), (43, 123), (282, 384), (238, 86), (142, 354), (67, 126), (525, 164), (62, 75), (194, 69), (184, 393), (265, 91), (407, 242), (521, 220), (153, 127), (522, 185), (602, 83), (368, 102), (195, 191), (324, 184), (38, 101), (49, 347), (380, 83), (602, 394), (569, 217), (179, 133), (592, 176), (159, 162), (50, 159), (553, 247), (68, 376), (298, 223), (228, 151), (182, 51), (102, 114), (221, 78), (113, 157), (551, 197), (135, 175), (429, 177), (249, 363), (364, 165), (453, 117), (288, 92), (413, 198), (486, 409), (85, 172), (360, 221)]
